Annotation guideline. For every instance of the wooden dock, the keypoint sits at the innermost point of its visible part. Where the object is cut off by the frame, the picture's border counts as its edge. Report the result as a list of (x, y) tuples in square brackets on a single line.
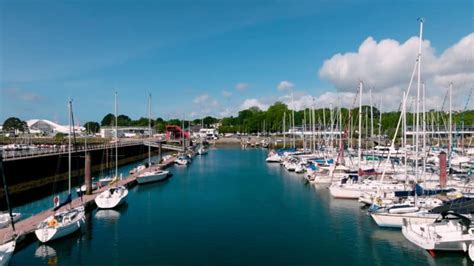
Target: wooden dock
[(28, 225)]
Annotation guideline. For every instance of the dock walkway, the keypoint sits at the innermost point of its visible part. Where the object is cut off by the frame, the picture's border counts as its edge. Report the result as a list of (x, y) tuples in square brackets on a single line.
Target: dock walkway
[(28, 225)]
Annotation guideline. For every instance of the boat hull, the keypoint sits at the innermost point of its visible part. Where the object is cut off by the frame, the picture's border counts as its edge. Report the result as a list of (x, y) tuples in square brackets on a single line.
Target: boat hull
[(152, 178), (395, 220), (6, 252), (104, 201), (52, 233)]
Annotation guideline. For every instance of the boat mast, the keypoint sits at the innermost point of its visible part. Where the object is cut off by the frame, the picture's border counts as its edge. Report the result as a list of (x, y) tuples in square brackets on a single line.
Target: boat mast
[(359, 144), (313, 121), (149, 131), (293, 118), (284, 132), (371, 139), (380, 121), (116, 138), (418, 88), (69, 147), (450, 124)]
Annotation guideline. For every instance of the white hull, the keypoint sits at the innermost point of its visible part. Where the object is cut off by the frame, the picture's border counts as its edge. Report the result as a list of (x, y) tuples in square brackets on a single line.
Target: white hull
[(345, 192), (6, 252), (46, 233), (108, 200), (150, 177), (470, 251), (395, 220), (445, 236)]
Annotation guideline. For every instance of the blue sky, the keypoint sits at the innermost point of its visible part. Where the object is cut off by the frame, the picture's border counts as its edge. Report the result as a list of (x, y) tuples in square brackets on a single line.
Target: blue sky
[(191, 55)]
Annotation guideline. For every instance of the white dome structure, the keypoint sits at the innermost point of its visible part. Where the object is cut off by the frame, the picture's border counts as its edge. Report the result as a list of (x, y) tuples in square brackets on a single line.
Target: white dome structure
[(46, 127)]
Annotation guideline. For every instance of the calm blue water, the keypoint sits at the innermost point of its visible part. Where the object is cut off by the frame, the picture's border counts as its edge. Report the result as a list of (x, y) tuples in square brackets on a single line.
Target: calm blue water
[(231, 208)]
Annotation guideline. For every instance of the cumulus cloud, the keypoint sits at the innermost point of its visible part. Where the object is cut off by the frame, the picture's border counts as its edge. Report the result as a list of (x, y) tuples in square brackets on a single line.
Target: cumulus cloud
[(386, 66), (241, 86), (253, 103), (285, 85)]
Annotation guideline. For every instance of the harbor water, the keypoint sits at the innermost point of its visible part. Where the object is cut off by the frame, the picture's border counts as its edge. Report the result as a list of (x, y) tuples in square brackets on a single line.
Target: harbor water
[(231, 208)]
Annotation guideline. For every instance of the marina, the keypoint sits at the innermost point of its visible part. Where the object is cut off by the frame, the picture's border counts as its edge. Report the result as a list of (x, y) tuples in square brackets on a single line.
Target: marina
[(236, 132), (239, 218)]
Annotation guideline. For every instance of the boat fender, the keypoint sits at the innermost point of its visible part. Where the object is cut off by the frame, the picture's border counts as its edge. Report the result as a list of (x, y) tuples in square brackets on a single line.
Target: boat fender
[(379, 201), (52, 223)]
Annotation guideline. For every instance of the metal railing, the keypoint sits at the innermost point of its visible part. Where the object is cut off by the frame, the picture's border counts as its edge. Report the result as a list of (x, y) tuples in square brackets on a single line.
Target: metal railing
[(62, 149)]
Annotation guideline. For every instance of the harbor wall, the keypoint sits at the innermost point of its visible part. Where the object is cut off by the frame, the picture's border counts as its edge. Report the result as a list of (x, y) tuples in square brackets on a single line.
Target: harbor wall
[(32, 178)]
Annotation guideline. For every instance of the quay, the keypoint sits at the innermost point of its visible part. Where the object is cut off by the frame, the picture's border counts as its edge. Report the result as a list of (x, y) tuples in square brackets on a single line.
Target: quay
[(24, 228)]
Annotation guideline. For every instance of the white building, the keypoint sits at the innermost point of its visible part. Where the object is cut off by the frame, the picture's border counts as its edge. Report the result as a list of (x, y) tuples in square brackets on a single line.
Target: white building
[(46, 127), (208, 133), (124, 132)]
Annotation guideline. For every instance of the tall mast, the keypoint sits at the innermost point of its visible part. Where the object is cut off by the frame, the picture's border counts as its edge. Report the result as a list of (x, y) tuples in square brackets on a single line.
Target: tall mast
[(314, 127), (423, 128), (69, 146), (418, 88), (359, 144), (450, 123), (116, 137), (284, 130), (324, 125), (293, 119), (380, 121), (303, 128), (371, 115), (149, 131)]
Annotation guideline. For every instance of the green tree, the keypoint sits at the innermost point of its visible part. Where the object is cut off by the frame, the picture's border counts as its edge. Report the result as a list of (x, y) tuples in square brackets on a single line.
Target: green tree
[(92, 127), (209, 120), (123, 121), (14, 124), (108, 120)]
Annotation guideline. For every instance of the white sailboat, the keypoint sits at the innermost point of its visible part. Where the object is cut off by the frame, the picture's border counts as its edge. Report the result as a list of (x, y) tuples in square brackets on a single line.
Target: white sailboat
[(453, 232), (66, 222), (113, 196), (151, 175)]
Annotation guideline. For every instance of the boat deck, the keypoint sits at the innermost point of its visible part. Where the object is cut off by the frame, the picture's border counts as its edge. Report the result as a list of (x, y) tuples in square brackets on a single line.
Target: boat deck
[(28, 225)]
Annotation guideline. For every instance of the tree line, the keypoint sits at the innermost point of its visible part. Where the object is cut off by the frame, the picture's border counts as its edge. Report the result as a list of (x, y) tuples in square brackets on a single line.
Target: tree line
[(253, 120)]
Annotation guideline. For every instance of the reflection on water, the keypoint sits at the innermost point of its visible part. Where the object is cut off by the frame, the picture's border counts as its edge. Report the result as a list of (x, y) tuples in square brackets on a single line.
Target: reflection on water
[(109, 215), (45, 251), (232, 203)]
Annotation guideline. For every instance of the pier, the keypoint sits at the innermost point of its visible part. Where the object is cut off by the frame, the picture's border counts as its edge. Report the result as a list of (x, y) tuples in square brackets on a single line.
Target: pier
[(28, 226)]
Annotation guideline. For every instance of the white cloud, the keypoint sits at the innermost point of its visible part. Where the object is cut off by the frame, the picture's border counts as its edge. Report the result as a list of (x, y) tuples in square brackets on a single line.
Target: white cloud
[(253, 102), (226, 94), (241, 86), (386, 67), (285, 85), (201, 99)]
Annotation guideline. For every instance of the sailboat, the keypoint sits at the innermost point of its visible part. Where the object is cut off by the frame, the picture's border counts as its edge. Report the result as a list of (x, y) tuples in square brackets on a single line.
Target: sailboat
[(65, 222), (8, 247), (151, 175), (452, 232), (117, 195)]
